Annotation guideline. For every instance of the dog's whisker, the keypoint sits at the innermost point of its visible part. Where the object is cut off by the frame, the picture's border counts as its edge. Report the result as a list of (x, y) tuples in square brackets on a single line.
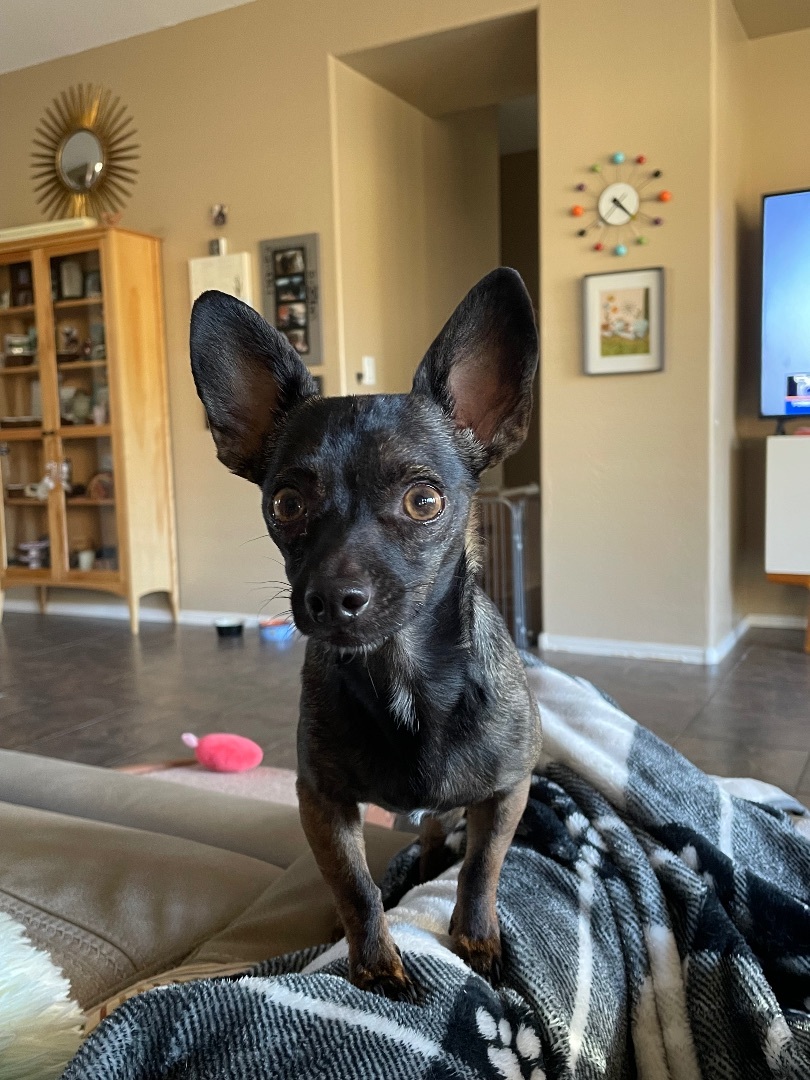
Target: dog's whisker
[(370, 678)]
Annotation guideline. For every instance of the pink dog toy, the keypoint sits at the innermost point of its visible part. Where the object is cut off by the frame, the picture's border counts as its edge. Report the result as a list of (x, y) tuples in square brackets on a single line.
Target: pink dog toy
[(221, 752)]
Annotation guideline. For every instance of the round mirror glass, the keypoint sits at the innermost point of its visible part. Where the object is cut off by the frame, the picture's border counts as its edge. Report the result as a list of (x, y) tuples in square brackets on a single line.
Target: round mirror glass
[(81, 160)]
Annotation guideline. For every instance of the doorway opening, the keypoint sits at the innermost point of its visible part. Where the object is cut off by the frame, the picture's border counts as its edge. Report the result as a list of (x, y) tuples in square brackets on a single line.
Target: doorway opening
[(434, 143)]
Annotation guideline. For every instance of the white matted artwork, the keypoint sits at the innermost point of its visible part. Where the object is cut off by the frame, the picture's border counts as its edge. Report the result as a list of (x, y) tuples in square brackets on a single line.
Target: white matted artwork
[(226, 273), (623, 330)]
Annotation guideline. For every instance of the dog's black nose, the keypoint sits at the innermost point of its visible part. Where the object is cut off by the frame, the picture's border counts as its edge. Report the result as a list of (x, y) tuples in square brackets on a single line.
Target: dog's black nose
[(337, 601)]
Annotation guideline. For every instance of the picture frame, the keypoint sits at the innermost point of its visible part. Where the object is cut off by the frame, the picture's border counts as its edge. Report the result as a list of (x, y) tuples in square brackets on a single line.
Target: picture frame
[(623, 322), (291, 292)]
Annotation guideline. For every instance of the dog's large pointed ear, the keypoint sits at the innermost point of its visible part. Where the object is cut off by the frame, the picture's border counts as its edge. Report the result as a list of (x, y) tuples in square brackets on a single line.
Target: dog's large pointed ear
[(481, 366), (249, 378)]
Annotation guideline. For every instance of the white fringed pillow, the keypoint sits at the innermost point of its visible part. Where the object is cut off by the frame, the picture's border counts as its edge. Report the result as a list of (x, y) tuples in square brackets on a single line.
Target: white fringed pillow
[(40, 1027)]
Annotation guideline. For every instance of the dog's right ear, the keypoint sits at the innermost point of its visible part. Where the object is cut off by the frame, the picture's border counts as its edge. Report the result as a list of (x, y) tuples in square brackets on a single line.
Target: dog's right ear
[(248, 377)]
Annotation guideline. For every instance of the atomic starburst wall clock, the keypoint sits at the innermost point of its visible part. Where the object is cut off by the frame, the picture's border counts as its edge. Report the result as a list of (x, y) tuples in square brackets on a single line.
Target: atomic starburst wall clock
[(621, 205)]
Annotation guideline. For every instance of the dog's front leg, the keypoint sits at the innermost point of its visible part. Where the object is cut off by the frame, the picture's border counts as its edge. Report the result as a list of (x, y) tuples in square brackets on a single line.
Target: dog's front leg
[(335, 834), (474, 925)]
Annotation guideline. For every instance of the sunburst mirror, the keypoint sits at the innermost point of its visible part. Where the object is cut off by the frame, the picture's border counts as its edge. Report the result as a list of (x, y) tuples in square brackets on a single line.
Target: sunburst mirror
[(84, 154)]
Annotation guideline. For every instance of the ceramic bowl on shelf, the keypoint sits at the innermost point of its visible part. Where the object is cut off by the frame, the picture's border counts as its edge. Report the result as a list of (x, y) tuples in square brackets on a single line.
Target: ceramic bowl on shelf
[(20, 421)]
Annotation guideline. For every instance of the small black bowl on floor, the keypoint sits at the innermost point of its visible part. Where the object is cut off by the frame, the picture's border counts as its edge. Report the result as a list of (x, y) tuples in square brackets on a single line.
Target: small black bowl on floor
[(229, 628)]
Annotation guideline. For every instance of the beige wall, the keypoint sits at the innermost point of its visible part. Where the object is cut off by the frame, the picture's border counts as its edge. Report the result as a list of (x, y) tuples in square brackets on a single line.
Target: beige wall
[(462, 220), (777, 159), (417, 222), (626, 528), (380, 199), (236, 108), (728, 116)]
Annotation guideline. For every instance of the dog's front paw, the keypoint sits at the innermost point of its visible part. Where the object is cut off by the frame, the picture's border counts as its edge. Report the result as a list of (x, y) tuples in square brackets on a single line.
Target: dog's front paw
[(389, 979), (482, 954)]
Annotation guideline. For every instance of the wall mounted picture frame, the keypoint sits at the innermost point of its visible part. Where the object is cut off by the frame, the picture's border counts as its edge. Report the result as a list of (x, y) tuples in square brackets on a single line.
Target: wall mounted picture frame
[(291, 292), (623, 328)]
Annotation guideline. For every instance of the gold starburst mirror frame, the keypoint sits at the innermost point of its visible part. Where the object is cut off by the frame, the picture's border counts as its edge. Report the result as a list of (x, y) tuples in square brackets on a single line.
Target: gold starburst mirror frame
[(84, 154)]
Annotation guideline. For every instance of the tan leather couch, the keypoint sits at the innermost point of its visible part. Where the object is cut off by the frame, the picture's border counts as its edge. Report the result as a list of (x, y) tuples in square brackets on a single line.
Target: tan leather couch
[(120, 877)]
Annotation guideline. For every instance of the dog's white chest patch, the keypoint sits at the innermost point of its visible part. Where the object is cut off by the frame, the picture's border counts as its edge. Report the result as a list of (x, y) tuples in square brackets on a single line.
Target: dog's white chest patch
[(402, 703)]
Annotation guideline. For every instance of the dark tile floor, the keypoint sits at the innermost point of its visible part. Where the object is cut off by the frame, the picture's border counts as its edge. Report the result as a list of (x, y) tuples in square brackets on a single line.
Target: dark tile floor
[(87, 691)]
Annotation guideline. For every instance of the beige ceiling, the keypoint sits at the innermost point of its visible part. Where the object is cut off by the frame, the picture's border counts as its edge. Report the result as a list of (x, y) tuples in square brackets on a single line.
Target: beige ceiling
[(763, 17), (483, 64)]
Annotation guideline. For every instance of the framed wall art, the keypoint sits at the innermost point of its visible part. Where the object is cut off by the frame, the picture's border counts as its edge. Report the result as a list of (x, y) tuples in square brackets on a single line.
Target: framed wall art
[(623, 330), (291, 292)]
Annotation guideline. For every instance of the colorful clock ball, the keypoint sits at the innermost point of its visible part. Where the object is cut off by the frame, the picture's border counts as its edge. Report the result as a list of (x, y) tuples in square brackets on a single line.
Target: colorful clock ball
[(598, 246), (620, 249), (665, 196), (658, 221), (657, 173), (577, 211), (581, 232), (618, 158), (642, 240), (596, 167), (641, 159), (581, 187)]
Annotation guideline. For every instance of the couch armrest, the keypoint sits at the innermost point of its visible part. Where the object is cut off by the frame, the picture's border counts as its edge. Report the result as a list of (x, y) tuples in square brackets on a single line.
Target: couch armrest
[(112, 905), (261, 830)]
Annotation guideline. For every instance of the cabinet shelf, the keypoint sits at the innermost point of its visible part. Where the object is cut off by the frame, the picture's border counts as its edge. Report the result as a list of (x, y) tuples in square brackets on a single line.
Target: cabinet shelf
[(19, 369), (41, 504), (79, 302), (21, 309), (85, 431), (79, 365), (19, 434), (80, 500)]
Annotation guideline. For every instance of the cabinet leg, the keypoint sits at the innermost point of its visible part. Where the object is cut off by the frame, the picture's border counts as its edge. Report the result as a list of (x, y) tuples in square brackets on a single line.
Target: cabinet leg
[(134, 624), (807, 632), (2, 598), (174, 604), (42, 597)]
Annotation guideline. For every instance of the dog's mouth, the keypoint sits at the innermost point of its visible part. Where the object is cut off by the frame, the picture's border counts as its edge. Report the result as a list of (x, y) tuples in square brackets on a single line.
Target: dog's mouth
[(346, 643)]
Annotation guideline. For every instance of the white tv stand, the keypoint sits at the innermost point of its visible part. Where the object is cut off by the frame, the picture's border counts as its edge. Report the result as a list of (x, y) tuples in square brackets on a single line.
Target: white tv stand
[(787, 512)]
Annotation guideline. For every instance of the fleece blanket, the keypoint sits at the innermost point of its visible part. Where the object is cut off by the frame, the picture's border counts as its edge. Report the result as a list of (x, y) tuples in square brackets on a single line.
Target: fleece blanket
[(654, 927)]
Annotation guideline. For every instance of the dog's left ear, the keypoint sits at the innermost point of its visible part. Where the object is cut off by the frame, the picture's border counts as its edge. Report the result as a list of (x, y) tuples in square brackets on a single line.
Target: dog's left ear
[(249, 378), (481, 366)]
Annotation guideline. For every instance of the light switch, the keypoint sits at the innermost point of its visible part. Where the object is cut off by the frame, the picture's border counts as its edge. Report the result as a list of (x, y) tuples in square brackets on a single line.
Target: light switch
[(369, 371)]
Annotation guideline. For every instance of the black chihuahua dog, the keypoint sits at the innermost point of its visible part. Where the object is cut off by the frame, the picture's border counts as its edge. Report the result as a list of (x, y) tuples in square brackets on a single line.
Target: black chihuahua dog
[(414, 696)]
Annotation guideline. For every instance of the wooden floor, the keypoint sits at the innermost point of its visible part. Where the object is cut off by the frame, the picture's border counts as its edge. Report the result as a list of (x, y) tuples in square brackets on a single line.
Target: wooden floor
[(87, 691)]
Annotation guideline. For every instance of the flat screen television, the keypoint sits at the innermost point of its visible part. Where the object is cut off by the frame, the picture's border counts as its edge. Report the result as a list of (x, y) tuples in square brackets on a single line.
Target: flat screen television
[(785, 385)]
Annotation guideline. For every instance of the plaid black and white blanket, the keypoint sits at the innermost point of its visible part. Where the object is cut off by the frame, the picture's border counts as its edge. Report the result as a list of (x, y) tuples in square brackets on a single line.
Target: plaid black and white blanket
[(654, 926)]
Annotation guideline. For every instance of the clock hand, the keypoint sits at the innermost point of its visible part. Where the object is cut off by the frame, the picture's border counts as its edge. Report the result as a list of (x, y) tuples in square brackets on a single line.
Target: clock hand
[(621, 206)]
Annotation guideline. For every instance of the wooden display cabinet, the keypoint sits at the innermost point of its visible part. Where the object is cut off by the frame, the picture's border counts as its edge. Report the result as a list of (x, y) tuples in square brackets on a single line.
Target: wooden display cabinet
[(85, 463)]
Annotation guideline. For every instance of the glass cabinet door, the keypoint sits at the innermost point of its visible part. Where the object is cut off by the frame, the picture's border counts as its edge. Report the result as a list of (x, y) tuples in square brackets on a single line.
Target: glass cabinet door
[(91, 537), (27, 478), (28, 483), (20, 386), (80, 340), (85, 435)]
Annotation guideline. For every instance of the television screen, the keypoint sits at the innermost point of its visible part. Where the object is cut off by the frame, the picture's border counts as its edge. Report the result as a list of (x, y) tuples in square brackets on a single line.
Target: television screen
[(785, 388)]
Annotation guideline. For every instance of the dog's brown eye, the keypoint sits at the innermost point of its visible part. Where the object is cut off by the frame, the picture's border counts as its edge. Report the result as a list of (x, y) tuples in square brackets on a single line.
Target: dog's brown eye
[(288, 506), (423, 502)]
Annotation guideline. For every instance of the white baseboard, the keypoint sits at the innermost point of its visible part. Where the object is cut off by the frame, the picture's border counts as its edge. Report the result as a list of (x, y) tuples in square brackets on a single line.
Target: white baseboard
[(715, 653), (645, 650), (187, 616), (684, 654), (638, 650), (776, 622)]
